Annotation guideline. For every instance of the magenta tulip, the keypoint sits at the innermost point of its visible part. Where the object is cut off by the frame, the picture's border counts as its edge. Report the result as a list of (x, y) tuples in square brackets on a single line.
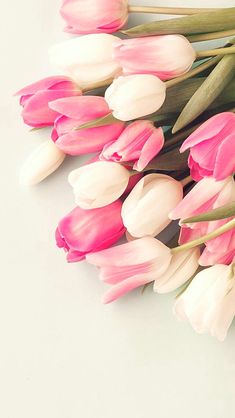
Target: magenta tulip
[(76, 111), (212, 148), (140, 142), (94, 16), (85, 231), (164, 56), (131, 265), (35, 98)]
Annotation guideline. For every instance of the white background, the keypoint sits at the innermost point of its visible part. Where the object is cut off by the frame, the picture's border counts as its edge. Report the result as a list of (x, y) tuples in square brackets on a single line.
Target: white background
[(62, 353)]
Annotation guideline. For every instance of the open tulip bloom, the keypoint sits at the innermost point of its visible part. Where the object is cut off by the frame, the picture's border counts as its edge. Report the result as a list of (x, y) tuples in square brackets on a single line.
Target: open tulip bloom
[(122, 100)]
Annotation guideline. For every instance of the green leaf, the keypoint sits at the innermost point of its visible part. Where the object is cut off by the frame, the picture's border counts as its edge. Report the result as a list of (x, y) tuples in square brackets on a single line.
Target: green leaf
[(104, 120), (220, 20), (209, 90), (223, 212), (170, 161)]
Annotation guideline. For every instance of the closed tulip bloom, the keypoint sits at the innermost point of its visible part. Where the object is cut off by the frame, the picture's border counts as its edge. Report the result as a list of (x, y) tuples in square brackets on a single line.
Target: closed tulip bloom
[(41, 163), (212, 150), (182, 268), (87, 59), (73, 112), (35, 98), (134, 96), (139, 142), (145, 211), (131, 265), (209, 301), (206, 195), (84, 231), (165, 56), (98, 184), (92, 16)]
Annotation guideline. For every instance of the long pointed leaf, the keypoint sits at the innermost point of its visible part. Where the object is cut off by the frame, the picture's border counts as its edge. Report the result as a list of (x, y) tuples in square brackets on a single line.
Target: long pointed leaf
[(223, 212), (210, 89), (223, 19)]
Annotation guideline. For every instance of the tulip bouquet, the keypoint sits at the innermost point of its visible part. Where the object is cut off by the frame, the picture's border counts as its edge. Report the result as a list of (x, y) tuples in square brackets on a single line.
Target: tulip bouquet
[(159, 118)]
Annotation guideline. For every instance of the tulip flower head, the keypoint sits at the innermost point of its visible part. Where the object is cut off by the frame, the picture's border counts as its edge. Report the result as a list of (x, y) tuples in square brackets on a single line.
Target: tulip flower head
[(139, 142), (92, 16), (36, 97), (98, 184), (182, 268), (209, 301), (165, 56), (134, 96), (206, 195), (87, 59), (41, 163), (85, 231), (131, 265), (75, 111), (212, 148), (146, 209)]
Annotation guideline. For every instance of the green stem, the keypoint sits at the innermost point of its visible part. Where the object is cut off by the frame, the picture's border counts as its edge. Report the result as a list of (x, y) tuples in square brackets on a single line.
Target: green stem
[(169, 10), (224, 228), (217, 51)]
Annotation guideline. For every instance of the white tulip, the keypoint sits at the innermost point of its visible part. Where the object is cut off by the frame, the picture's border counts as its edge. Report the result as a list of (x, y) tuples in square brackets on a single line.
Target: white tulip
[(98, 184), (145, 211), (182, 267), (209, 301), (134, 96), (87, 59), (41, 163)]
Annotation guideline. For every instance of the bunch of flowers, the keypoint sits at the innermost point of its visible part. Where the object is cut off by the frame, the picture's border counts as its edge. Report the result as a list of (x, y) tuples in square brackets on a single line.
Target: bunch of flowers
[(159, 118)]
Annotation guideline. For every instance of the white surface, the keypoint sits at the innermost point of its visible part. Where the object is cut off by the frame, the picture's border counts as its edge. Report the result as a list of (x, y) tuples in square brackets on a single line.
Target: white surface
[(62, 353)]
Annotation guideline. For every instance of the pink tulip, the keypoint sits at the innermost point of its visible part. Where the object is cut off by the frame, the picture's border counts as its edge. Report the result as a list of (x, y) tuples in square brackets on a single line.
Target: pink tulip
[(212, 150), (75, 111), (131, 265), (92, 16), (207, 195), (139, 142), (35, 98), (164, 56), (85, 231)]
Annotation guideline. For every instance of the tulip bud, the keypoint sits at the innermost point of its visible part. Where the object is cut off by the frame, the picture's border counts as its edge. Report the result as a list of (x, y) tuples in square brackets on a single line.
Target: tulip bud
[(134, 96), (41, 163), (92, 16), (164, 56), (208, 303), (85, 231), (182, 267), (36, 97), (87, 59), (98, 184), (146, 209), (140, 142)]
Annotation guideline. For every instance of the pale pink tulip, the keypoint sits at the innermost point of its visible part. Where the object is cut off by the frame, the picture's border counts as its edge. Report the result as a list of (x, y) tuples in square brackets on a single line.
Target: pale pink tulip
[(139, 142), (206, 195), (131, 265), (94, 16), (212, 148), (85, 231), (134, 96), (165, 56), (182, 268), (76, 111), (35, 98), (145, 211), (209, 301)]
